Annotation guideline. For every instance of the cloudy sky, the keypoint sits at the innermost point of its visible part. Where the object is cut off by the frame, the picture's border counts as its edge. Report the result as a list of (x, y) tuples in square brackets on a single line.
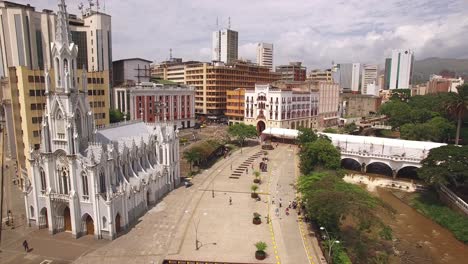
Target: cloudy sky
[(316, 32)]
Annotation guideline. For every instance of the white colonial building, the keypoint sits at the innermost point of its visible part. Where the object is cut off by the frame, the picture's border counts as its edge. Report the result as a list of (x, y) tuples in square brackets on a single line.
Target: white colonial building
[(267, 106), (87, 181)]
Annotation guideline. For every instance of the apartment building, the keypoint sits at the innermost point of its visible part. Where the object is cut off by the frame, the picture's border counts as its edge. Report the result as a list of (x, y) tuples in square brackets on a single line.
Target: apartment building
[(294, 71), (157, 102), (213, 80), (320, 76), (265, 55), (24, 99), (439, 84), (267, 106), (328, 99), (369, 76), (235, 106), (172, 70), (27, 34)]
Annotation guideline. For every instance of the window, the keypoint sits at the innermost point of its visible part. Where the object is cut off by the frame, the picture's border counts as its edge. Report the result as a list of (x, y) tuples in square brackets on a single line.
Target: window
[(43, 180), (104, 222), (102, 182), (32, 211), (84, 179)]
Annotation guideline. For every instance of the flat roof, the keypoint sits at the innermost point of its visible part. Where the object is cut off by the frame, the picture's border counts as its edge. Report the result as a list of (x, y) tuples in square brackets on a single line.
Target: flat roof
[(130, 59)]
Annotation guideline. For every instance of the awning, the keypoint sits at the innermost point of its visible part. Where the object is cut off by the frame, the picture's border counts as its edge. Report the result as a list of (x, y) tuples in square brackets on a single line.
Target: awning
[(281, 132)]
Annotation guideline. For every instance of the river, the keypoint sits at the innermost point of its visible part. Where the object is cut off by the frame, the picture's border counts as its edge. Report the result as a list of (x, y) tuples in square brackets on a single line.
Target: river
[(419, 239)]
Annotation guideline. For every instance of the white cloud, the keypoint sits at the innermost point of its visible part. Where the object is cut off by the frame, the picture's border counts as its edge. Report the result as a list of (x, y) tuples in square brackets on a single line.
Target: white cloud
[(315, 32)]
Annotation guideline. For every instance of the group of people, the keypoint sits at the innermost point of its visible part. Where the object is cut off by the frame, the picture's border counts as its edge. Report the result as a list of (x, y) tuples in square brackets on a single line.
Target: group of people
[(291, 205)]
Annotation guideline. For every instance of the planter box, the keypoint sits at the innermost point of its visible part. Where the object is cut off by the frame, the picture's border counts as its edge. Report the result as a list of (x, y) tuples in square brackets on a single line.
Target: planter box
[(260, 255)]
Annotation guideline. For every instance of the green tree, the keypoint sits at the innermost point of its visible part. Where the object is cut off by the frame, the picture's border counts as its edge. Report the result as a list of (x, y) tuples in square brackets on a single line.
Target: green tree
[(459, 108), (191, 156), (446, 165), (330, 130), (241, 132), (329, 199), (350, 128), (306, 135), (320, 153), (437, 129), (115, 116)]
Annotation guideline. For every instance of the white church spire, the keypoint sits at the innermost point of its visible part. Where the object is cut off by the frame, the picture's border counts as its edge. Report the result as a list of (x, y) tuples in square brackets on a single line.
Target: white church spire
[(62, 31)]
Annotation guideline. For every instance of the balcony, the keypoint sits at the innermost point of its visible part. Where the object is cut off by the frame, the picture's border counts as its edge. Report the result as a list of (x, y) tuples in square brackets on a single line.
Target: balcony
[(59, 197)]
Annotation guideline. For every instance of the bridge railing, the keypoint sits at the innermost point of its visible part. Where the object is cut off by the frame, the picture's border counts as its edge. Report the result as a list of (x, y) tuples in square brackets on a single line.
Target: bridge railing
[(373, 155), (457, 201)]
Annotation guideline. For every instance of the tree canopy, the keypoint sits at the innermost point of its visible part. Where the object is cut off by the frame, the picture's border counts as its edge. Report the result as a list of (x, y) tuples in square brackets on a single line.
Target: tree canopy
[(427, 117), (115, 116), (306, 135), (436, 129), (319, 154), (446, 165), (458, 107), (242, 131)]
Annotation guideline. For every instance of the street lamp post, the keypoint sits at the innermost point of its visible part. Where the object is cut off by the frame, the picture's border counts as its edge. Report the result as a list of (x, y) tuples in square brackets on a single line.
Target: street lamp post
[(330, 243)]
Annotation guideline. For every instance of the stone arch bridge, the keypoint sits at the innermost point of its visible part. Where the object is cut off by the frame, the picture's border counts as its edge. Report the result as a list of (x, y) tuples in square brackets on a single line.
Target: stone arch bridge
[(394, 154)]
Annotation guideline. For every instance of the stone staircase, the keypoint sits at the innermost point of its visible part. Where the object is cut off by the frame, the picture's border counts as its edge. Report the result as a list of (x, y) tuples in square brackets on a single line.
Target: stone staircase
[(237, 173)]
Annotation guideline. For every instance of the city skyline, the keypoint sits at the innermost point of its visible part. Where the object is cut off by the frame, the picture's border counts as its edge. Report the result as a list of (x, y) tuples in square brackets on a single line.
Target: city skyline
[(370, 31)]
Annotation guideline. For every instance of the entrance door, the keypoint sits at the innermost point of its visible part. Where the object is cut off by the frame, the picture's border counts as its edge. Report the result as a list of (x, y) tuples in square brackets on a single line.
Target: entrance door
[(89, 225), (67, 219), (117, 224), (260, 127), (147, 198)]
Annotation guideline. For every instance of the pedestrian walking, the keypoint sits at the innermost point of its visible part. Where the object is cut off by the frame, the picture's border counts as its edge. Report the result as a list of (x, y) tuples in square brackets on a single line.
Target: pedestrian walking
[(289, 205), (280, 202), (247, 170), (277, 211), (230, 200), (25, 245), (287, 211)]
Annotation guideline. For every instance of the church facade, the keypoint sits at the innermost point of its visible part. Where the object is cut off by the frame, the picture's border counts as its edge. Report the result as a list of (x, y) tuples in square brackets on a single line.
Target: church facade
[(87, 181)]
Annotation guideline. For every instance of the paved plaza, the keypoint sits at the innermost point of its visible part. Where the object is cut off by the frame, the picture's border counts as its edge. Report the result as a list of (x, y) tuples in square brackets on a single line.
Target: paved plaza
[(168, 231)]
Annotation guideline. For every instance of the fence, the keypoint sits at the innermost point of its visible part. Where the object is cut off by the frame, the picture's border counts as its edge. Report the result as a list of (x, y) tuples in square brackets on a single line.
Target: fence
[(457, 201)]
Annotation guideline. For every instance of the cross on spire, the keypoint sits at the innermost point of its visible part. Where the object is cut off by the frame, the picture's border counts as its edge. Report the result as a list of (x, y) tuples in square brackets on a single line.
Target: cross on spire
[(62, 31)]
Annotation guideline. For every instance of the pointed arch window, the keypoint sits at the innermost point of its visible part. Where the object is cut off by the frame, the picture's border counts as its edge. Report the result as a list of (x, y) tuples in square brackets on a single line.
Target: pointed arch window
[(64, 182), (84, 179), (43, 181), (102, 182)]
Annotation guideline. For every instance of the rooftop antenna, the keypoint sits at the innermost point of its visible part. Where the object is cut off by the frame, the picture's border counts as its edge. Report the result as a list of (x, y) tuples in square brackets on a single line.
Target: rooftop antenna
[(170, 54), (80, 7), (104, 9), (229, 22), (97, 5), (91, 4)]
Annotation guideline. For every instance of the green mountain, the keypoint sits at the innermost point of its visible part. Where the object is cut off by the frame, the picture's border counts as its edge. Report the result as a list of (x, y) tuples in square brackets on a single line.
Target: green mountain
[(424, 68)]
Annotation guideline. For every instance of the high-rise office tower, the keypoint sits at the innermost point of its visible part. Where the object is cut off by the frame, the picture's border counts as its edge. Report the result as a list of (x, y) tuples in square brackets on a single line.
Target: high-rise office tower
[(356, 77), (265, 55), (225, 45), (401, 71), (348, 76), (369, 76), (388, 67), (27, 34)]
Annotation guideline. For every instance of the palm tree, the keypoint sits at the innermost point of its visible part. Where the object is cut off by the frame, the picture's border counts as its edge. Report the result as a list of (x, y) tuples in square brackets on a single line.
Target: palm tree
[(459, 107), (191, 156)]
